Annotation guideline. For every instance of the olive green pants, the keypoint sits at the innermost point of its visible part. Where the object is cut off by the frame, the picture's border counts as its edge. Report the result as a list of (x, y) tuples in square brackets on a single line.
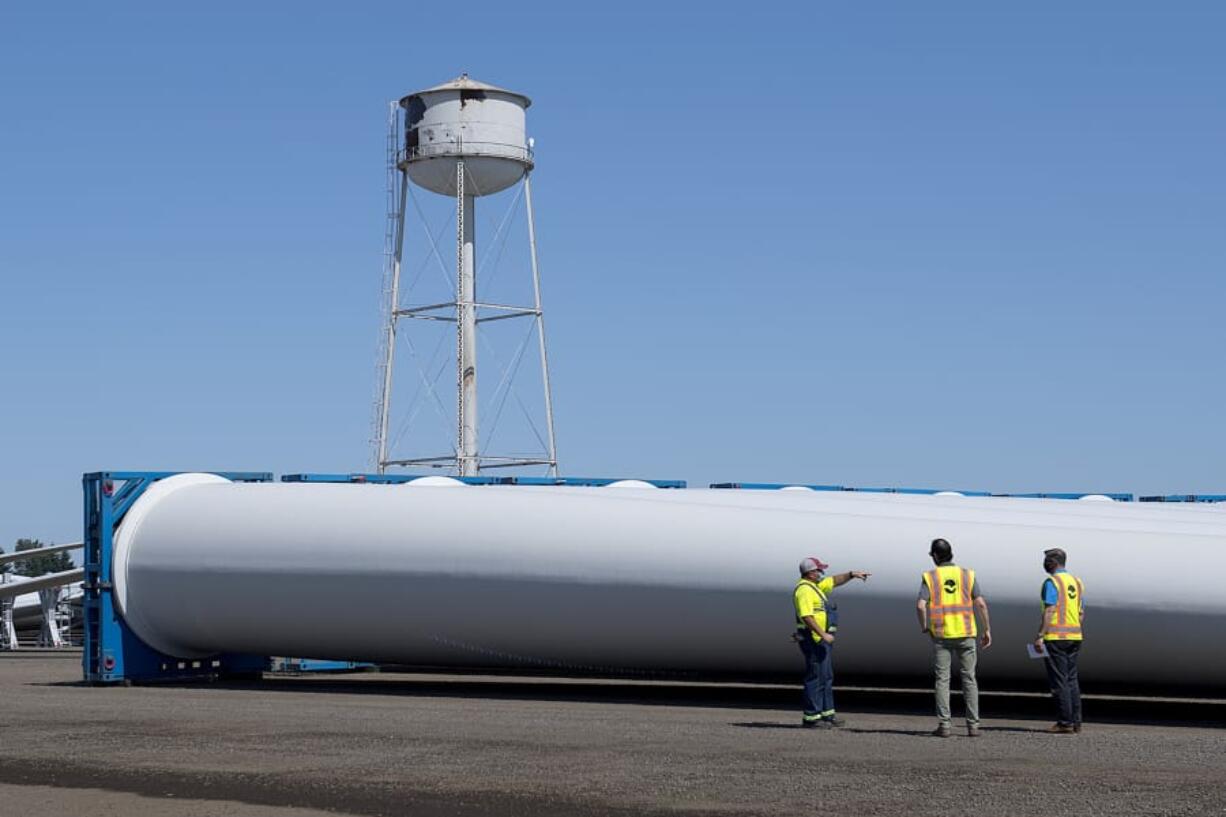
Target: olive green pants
[(943, 651)]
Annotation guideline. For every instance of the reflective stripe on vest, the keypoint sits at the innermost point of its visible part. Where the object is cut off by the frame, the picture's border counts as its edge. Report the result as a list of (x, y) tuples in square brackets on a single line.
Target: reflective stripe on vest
[(951, 613), (1064, 621)]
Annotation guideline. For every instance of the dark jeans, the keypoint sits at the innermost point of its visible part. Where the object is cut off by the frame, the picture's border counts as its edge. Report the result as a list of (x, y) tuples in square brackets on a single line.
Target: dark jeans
[(819, 677), (1062, 676)]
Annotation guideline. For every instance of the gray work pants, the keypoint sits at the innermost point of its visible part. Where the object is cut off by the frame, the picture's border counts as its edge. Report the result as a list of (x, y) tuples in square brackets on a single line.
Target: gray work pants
[(943, 651)]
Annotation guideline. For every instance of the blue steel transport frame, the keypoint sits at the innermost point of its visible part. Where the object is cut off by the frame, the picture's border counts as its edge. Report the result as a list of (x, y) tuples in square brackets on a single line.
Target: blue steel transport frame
[(113, 654), (1185, 498), (574, 482), (774, 486)]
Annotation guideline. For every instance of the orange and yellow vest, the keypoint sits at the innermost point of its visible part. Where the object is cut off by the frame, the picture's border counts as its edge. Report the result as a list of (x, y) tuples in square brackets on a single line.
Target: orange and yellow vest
[(951, 613), (1064, 618)]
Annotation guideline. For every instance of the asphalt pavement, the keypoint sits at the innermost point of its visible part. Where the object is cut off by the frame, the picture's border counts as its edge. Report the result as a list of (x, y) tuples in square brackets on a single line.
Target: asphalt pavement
[(461, 745)]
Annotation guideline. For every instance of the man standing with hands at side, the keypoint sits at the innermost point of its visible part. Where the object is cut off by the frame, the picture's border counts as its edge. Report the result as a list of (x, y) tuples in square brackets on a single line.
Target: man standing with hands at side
[(1060, 635), (949, 598), (817, 619)]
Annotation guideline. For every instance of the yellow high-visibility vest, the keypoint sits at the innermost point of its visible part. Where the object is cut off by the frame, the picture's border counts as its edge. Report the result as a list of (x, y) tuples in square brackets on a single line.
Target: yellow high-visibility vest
[(1064, 620), (951, 613), (810, 599)]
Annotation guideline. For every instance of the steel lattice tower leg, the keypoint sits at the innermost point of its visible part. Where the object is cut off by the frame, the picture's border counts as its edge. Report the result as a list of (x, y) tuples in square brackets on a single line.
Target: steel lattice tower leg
[(396, 177), (540, 327), (392, 318)]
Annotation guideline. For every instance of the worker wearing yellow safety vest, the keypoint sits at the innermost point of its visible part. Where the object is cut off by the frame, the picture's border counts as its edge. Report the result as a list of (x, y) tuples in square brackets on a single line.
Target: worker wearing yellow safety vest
[(817, 620), (1060, 637), (949, 598)]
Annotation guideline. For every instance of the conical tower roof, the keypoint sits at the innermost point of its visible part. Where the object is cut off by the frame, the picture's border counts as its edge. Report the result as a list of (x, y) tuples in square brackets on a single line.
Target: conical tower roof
[(466, 83)]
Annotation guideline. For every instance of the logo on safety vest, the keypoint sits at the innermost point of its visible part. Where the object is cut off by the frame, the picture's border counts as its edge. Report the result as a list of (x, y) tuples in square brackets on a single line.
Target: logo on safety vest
[(1072, 591), (950, 585)]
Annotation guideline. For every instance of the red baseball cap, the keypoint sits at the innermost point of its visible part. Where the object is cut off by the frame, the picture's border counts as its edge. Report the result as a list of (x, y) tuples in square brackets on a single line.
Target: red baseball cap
[(810, 564)]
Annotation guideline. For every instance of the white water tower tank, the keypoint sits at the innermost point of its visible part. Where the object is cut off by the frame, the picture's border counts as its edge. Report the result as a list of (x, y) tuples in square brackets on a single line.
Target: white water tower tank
[(469, 121)]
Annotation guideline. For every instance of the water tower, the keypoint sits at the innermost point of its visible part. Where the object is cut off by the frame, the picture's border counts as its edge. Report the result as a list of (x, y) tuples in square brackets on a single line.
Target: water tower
[(462, 139)]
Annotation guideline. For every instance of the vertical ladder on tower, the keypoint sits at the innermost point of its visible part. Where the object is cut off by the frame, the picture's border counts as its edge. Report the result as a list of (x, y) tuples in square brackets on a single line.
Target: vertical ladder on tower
[(386, 306)]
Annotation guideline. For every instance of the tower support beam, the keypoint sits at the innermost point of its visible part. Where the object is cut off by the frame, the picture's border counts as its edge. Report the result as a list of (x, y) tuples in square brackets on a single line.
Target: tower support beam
[(392, 317), (540, 326), (466, 332)]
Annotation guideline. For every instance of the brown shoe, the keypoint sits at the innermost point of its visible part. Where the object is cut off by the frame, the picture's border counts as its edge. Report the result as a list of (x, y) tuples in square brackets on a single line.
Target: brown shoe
[(943, 731), (1077, 728), (1061, 729), (972, 731)]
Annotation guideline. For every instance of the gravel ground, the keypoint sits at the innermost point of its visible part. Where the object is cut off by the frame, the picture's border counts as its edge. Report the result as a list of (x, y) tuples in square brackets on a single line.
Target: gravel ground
[(408, 744)]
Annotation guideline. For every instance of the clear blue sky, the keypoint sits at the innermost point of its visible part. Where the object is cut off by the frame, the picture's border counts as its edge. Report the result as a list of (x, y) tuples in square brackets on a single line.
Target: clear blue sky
[(955, 244)]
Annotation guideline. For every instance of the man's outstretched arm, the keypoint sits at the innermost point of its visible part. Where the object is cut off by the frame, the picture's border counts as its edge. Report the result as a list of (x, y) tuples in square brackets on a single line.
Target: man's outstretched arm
[(844, 578)]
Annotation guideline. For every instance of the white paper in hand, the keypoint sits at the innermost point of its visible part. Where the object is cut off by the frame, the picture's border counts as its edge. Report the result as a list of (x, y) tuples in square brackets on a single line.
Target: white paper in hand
[(1036, 652)]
